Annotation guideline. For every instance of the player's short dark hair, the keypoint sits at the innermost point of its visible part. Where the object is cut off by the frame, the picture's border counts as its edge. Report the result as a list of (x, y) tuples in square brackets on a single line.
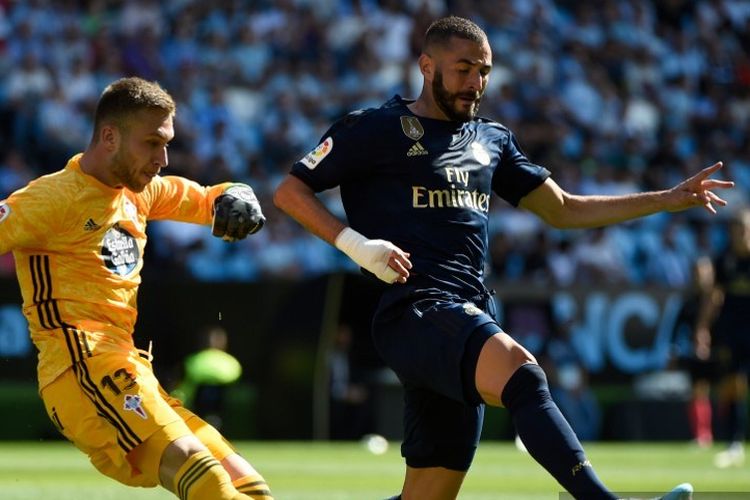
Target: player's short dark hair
[(441, 31), (126, 96)]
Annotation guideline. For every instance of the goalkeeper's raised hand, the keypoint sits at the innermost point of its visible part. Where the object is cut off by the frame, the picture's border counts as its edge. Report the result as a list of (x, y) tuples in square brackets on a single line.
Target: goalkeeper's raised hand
[(237, 213)]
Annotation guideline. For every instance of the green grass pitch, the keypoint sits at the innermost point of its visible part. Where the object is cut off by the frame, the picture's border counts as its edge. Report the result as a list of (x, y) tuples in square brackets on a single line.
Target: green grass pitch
[(347, 471)]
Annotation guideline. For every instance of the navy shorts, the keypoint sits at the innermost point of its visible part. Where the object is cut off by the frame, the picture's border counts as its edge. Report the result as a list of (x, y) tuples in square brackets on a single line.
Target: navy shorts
[(432, 341)]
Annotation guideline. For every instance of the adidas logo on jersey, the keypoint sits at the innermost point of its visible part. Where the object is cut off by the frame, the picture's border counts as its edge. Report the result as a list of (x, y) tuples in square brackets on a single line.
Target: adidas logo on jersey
[(90, 225), (416, 150)]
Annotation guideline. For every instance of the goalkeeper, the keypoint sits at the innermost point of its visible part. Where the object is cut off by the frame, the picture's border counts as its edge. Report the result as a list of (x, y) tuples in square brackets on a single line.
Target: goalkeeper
[(78, 237)]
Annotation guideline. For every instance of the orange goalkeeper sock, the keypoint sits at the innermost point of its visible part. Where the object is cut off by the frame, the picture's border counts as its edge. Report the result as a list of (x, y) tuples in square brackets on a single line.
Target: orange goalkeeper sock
[(202, 477), (253, 486)]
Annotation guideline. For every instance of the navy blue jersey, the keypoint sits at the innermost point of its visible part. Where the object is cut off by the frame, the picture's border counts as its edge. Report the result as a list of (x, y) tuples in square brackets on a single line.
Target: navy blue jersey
[(423, 184)]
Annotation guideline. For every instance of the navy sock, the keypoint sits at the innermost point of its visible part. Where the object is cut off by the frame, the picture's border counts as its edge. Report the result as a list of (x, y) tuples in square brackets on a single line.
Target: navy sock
[(548, 436)]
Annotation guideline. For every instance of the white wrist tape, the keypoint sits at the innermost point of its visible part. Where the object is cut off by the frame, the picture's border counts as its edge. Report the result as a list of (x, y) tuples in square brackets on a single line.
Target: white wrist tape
[(373, 255)]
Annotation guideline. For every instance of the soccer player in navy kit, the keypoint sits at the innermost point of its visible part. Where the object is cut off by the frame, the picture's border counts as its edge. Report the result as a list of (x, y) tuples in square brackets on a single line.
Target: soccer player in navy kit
[(416, 179)]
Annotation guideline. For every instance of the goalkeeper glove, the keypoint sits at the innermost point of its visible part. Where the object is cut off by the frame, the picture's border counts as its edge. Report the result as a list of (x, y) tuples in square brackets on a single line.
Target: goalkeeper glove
[(237, 213)]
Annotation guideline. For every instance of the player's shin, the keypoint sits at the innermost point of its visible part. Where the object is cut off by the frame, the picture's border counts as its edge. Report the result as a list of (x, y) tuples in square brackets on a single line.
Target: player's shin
[(202, 477), (548, 436)]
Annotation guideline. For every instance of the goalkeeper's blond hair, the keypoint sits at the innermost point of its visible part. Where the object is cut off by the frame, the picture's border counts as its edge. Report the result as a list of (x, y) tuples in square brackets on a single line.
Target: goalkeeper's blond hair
[(125, 97)]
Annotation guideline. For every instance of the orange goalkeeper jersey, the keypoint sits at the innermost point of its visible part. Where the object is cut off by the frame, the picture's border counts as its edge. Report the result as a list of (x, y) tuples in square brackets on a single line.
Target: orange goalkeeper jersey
[(78, 247)]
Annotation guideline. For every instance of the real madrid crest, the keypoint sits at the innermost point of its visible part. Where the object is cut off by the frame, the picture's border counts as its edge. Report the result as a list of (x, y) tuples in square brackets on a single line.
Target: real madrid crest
[(411, 127), (471, 309)]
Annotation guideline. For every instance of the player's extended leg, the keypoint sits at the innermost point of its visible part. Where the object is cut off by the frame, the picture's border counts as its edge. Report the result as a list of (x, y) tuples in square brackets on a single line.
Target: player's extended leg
[(196, 463), (194, 473), (186, 468), (244, 476), (507, 375)]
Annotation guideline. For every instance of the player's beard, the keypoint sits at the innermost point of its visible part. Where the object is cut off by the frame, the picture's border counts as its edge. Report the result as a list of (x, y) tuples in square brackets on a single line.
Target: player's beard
[(446, 100), (123, 168)]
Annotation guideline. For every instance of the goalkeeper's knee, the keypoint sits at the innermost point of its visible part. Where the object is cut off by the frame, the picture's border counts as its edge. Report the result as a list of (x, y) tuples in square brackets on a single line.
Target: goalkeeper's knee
[(202, 477)]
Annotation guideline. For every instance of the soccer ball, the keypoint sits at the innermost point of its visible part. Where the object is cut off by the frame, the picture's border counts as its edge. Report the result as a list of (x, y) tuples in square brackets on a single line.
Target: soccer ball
[(375, 444)]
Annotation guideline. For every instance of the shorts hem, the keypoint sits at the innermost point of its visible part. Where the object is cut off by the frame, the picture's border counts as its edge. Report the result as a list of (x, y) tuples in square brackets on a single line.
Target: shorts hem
[(447, 461)]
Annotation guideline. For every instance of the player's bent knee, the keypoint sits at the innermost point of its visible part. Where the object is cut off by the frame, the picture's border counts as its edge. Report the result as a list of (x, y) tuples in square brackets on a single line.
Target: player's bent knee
[(148, 457), (243, 475), (529, 382), (500, 358), (175, 455), (202, 477)]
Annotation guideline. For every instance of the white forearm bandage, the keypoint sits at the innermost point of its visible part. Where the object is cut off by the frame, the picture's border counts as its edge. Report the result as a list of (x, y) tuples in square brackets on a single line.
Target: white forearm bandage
[(373, 255)]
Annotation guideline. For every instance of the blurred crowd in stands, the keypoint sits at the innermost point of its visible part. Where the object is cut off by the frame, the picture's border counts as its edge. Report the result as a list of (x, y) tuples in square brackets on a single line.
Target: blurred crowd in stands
[(612, 96)]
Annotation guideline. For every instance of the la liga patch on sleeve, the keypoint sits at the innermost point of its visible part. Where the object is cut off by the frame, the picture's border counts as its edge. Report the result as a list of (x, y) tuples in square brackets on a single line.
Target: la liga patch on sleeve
[(314, 157), (4, 211)]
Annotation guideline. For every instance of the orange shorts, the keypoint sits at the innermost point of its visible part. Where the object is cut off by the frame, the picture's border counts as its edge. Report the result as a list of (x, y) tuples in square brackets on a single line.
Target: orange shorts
[(110, 404)]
